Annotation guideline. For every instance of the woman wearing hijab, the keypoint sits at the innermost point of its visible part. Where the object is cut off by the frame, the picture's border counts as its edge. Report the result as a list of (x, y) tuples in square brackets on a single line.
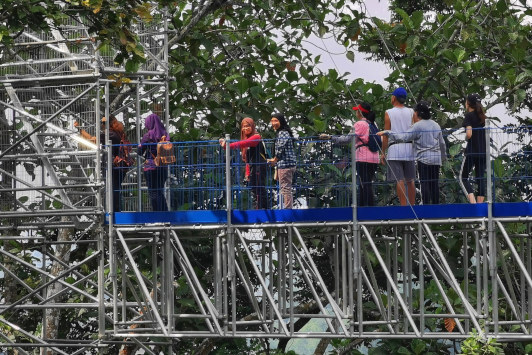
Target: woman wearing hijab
[(254, 154), (155, 175), (285, 157), (116, 136), (475, 153)]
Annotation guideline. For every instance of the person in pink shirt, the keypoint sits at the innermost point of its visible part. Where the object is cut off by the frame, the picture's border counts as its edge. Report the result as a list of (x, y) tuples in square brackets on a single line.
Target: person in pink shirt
[(366, 160), (254, 154)]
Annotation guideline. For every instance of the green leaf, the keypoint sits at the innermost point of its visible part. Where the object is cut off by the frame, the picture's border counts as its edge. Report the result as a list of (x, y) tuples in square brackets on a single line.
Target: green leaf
[(459, 54), (350, 55), (231, 78), (498, 167), (518, 54), (320, 125), (455, 150), (418, 346), (291, 76), (417, 19), (323, 84), (132, 66), (259, 68), (403, 350), (406, 19), (502, 6), (242, 84), (447, 53)]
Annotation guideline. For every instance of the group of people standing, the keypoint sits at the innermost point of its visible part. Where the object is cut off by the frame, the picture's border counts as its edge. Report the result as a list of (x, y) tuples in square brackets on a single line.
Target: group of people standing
[(154, 175), (410, 136)]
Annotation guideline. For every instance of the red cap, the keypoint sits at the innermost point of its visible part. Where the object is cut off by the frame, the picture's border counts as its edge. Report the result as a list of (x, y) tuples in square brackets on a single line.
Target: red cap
[(359, 107)]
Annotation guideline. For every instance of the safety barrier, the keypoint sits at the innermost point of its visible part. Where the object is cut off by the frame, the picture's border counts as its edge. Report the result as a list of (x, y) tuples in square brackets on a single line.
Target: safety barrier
[(323, 178)]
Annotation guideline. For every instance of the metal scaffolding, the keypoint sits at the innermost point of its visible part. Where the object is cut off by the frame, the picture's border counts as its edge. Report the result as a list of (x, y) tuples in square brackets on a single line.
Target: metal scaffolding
[(145, 285)]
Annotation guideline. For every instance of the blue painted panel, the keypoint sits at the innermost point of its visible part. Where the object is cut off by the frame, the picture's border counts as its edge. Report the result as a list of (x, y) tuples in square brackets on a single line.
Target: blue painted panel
[(513, 209), (422, 212), (280, 216), (383, 213), (174, 217)]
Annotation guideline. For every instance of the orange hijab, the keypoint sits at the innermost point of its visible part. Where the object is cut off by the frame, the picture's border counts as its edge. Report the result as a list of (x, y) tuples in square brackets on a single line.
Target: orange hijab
[(251, 123)]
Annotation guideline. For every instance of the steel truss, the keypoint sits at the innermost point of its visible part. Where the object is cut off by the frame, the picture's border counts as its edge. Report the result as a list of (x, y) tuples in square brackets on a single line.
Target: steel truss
[(390, 265)]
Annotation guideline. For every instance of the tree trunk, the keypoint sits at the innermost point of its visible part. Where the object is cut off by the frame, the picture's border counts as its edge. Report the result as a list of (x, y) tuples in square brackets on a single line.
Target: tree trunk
[(62, 252), (322, 346)]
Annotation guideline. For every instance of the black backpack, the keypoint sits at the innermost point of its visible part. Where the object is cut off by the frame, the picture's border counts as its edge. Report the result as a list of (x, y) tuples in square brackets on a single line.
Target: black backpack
[(374, 141)]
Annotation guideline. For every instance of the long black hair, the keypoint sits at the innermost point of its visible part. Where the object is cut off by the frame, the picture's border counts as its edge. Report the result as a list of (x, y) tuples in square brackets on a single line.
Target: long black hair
[(284, 124), (473, 101), (370, 115)]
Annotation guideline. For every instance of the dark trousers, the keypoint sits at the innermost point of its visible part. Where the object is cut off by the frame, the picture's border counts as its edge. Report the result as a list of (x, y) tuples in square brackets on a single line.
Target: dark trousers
[(477, 161), (258, 189), (155, 180), (366, 173), (118, 176), (430, 184)]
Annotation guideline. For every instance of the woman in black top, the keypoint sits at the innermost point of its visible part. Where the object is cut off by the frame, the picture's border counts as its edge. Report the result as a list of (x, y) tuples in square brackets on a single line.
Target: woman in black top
[(475, 154)]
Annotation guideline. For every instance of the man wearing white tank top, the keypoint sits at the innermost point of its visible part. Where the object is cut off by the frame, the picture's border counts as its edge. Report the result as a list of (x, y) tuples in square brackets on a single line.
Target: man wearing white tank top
[(400, 158)]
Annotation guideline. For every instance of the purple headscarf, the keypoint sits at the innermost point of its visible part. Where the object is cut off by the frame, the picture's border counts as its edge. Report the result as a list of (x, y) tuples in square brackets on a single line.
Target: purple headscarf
[(155, 129)]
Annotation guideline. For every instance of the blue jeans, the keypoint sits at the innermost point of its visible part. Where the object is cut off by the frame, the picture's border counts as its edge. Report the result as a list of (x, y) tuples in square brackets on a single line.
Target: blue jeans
[(155, 180)]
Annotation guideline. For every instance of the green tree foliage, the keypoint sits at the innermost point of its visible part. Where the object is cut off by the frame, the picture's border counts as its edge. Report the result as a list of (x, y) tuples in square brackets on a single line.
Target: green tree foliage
[(479, 47)]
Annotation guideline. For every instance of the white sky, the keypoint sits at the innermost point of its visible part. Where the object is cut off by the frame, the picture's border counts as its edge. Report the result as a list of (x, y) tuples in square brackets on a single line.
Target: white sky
[(367, 69)]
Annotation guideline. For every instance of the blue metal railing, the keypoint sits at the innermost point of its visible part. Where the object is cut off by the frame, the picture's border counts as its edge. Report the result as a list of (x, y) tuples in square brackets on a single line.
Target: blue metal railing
[(197, 179)]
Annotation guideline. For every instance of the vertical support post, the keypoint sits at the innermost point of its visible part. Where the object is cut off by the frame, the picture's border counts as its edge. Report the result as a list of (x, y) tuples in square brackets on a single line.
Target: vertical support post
[(485, 279), (528, 248), (109, 163), (291, 279), (465, 263), (356, 237), (101, 283), (101, 233), (98, 167), (168, 276), (421, 281), (272, 278), (478, 272), (491, 234), (281, 270), (139, 165), (395, 278), (406, 273), (166, 103), (44, 291), (388, 287)]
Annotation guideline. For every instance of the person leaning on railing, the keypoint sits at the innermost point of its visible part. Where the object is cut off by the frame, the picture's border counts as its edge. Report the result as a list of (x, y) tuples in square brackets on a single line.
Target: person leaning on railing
[(429, 150), (285, 157), (367, 161), (155, 175), (116, 132)]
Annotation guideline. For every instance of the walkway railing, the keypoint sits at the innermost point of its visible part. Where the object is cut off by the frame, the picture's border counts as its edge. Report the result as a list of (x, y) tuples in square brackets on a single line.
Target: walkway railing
[(197, 180)]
